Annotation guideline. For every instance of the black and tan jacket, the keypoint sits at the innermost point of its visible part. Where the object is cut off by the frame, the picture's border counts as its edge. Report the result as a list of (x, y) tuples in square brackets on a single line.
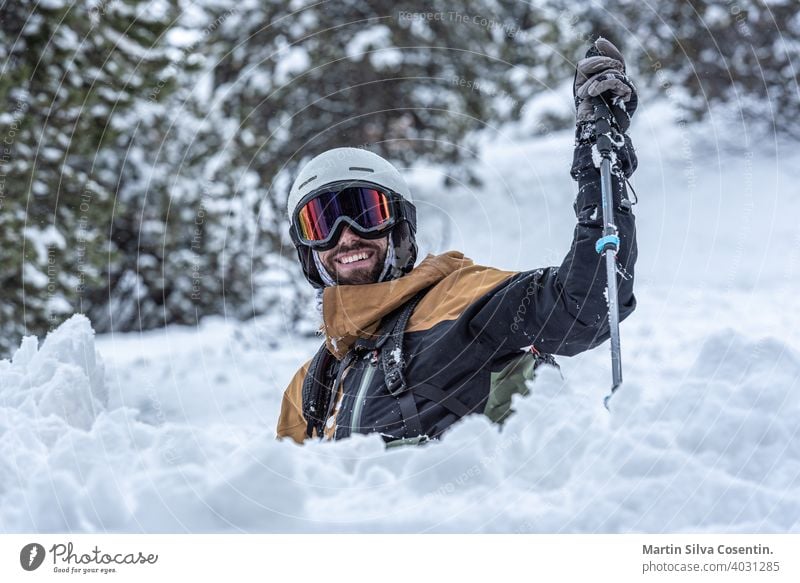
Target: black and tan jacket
[(477, 333)]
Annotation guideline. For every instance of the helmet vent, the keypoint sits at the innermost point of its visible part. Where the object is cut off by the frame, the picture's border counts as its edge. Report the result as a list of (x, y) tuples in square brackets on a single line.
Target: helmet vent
[(306, 182), (361, 169)]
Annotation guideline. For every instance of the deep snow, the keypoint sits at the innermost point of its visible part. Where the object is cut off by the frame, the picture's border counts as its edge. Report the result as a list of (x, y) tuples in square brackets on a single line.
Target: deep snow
[(173, 430)]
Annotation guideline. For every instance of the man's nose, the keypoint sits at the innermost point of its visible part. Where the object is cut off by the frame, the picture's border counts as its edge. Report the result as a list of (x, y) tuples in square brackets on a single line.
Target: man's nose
[(348, 236)]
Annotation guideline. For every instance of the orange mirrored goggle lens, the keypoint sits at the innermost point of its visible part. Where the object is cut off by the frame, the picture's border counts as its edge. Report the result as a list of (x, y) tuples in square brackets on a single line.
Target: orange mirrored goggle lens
[(368, 207)]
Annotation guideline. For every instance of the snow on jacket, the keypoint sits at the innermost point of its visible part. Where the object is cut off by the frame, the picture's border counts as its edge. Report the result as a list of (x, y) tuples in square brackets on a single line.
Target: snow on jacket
[(477, 334)]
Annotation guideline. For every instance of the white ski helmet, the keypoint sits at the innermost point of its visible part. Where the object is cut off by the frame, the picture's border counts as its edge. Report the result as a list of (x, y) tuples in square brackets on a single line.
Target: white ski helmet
[(342, 165)]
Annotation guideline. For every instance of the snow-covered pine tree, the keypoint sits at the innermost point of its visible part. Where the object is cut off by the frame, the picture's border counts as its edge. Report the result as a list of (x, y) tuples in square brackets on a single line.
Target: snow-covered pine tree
[(70, 71), (285, 82), (184, 237), (736, 57)]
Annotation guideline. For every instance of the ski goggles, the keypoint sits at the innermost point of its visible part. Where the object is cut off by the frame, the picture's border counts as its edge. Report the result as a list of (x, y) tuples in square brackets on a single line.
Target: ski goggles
[(367, 209)]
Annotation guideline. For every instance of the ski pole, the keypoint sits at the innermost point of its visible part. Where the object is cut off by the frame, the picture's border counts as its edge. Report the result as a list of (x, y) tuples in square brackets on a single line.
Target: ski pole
[(608, 244)]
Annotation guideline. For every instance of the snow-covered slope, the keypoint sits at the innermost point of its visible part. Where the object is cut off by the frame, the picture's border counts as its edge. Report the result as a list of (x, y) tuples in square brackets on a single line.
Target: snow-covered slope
[(173, 430)]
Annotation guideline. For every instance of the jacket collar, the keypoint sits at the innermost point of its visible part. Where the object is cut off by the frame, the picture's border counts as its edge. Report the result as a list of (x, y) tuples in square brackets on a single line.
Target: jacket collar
[(350, 312)]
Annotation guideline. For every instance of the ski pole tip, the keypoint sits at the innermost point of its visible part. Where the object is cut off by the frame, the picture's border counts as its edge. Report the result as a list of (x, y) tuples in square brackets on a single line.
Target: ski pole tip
[(607, 398)]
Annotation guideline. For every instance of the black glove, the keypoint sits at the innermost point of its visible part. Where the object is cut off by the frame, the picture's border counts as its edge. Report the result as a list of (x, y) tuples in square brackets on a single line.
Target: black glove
[(602, 73)]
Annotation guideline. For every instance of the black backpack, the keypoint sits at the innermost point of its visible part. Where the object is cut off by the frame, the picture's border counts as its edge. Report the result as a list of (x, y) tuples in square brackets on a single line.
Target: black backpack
[(325, 371)]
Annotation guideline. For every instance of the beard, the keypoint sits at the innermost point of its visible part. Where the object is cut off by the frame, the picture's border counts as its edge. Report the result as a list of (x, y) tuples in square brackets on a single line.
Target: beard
[(369, 273)]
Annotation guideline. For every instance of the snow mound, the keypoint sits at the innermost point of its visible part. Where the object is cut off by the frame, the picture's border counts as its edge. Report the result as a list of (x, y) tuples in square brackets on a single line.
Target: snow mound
[(63, 378), (721, 452), (717, 451)]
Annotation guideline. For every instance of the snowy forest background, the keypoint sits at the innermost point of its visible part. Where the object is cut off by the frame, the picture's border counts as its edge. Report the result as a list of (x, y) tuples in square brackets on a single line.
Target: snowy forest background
[(148, 145), (146, 152)]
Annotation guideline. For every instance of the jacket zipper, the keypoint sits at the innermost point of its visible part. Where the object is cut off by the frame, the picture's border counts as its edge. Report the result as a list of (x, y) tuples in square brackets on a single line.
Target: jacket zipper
[(358, 407)]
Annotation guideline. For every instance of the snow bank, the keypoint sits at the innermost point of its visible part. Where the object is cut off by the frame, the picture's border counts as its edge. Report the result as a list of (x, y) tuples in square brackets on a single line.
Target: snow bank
[(62, 380), (176, 431), (718, 451)]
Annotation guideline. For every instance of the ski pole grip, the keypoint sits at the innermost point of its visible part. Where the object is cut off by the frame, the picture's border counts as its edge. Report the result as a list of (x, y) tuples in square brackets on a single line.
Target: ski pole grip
[(602, 117)]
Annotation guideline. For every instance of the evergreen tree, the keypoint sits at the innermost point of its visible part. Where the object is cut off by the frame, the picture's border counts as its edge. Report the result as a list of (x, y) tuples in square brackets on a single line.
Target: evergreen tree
[(147, 148), (707, 56), (288, 83), (69, 73)]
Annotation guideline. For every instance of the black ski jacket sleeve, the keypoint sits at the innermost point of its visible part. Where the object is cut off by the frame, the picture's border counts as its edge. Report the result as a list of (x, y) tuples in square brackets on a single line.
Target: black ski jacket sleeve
[(563, 310)]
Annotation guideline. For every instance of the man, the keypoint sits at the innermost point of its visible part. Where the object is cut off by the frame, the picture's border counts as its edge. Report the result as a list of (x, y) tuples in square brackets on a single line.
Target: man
[(410, 350)]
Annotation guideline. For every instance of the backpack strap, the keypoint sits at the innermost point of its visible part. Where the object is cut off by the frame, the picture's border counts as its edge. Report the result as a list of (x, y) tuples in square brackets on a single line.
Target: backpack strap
[(317, 389), (391, 346), (324, 371), (393, 358)]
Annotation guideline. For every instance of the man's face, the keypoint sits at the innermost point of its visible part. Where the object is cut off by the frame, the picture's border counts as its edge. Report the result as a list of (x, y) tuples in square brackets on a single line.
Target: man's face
[(355, 260)]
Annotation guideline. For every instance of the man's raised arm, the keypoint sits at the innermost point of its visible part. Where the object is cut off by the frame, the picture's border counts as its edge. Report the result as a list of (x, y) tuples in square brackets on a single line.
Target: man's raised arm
[(563, 310)]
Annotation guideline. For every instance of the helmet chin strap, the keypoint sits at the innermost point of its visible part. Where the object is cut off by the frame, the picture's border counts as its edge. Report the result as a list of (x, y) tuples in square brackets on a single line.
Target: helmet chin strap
[(385, 275), (388, 263), (323, 273)]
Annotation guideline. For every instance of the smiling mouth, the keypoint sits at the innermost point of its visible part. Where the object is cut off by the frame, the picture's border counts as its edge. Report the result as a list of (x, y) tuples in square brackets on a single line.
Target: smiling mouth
[(355, 257)]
